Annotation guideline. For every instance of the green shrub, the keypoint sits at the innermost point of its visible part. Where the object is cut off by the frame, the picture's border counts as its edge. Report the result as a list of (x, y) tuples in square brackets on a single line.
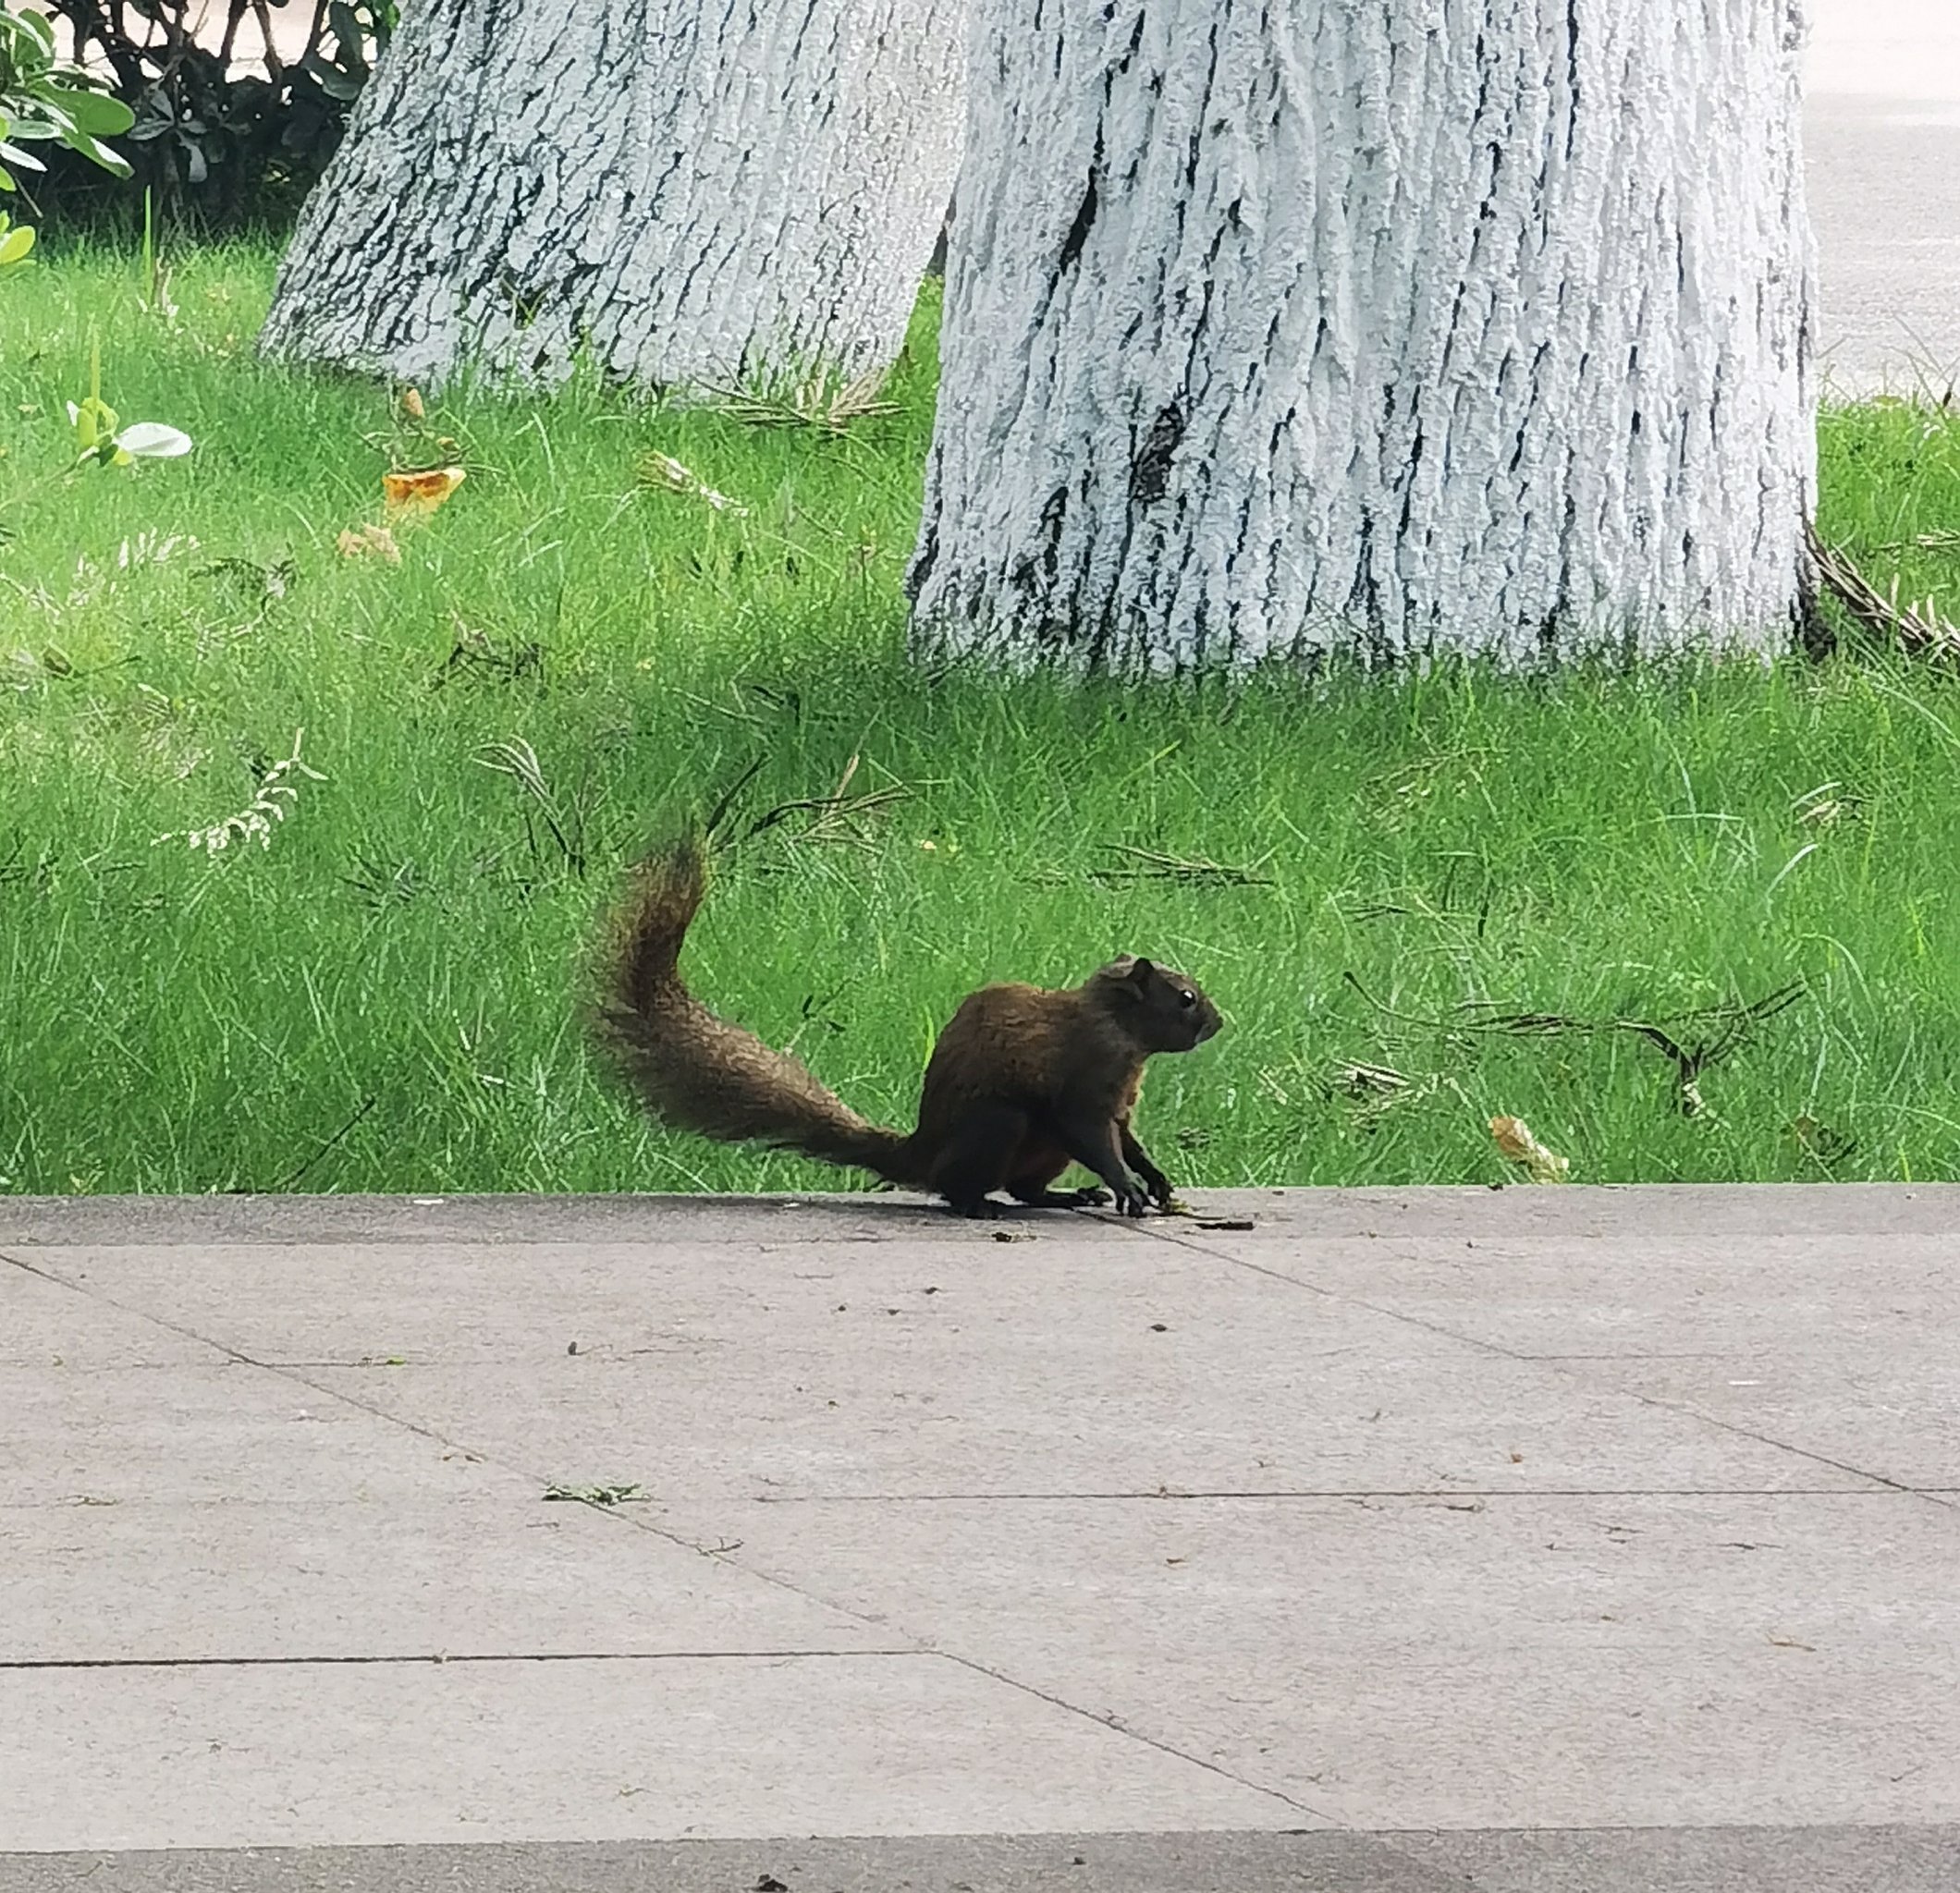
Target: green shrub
[(217, 140), (44, 100)]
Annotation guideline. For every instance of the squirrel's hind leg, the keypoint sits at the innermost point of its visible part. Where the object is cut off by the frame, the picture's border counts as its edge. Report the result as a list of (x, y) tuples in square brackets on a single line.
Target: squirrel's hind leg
[(1062, 1199), (978, 1156), (1040, 1161)]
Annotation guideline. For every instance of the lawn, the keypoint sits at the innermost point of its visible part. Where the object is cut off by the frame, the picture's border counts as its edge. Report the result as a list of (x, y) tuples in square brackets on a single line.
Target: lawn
[(1369, 876)]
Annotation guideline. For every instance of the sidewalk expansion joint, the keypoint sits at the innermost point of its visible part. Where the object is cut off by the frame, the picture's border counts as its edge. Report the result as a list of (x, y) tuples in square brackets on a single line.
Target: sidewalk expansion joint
[(1550, 1362), (1117, 1727), (439, 1660)]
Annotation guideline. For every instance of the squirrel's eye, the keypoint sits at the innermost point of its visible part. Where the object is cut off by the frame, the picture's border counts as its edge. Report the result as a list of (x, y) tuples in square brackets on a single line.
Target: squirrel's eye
[(1188, 997)]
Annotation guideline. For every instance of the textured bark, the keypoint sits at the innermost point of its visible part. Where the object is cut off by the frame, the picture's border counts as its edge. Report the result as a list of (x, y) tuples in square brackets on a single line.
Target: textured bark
[(679, 193), (1379, 326)]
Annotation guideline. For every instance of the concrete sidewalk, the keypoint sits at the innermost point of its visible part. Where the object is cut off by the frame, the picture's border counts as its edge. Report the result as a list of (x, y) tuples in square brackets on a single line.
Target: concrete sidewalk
[(1523, 1540)]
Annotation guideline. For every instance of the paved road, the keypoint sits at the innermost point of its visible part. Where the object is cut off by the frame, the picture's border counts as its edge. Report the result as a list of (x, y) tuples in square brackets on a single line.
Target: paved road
[(1885, 199), (1533, 1540), (1883, 138)]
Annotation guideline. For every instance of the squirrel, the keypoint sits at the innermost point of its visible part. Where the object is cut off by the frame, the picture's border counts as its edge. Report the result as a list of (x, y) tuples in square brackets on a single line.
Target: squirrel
[(1022, 1081)]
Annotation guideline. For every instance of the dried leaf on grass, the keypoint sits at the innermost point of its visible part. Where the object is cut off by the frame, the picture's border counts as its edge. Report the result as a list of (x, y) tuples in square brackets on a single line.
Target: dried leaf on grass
[(1517, 1145), (370, 541), (664, 470), (418, 495), (822, 402)]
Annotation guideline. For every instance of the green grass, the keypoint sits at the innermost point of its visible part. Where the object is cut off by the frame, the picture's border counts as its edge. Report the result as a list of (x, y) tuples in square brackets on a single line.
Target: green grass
[(403, 959)]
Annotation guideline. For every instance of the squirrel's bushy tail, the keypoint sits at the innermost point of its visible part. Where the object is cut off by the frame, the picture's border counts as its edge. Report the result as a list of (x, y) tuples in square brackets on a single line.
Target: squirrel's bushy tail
[(702, 1073)]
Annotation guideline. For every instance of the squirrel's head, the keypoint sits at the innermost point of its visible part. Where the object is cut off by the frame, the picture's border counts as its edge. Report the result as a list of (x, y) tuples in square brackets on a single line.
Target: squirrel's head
[(1161, 1010)]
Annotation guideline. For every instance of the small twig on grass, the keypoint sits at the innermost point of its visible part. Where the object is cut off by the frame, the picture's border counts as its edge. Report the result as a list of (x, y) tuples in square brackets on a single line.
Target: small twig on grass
[(476, 653), (1137, 865), (719, 813), (1723, 1031), (1373, 1091), (1916, 629), (664, 471), (15, 868), (1925, 542), (835, 817), (1147, 864), (291, 1181)]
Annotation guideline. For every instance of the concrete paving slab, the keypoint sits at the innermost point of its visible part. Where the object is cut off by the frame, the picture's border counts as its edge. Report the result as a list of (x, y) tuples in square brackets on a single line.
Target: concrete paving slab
[(44, 1323), (365, 1303), (1658, 1211), (195, 1432), (1873, 1859), (1515, 1661), (1217, 1411), (1573, 1213), (1882, 135), (32, 1222), (1685, 1294), (1751, 1860), (251, 1582), (1558, 1636), (962, 1863), (1891, 1411), (917, 1367), (310, 1754)]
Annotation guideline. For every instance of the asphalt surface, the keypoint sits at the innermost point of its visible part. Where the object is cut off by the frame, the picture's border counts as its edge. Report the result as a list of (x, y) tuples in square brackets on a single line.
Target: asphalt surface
[(1883, 134), (1533, 1539), (1884, 186)]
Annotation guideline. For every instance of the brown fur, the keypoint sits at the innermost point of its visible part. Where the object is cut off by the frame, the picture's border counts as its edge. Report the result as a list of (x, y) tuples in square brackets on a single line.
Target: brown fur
[(1021, 1083)]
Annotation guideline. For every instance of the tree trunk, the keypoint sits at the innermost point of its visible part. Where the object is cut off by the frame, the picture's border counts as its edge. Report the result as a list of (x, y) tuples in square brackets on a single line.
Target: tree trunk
[(679, 194), (1381, 327)]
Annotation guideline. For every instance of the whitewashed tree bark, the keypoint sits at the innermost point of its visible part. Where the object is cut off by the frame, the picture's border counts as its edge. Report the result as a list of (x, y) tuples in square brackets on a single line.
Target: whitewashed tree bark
[(1380, 328), (681, 193)]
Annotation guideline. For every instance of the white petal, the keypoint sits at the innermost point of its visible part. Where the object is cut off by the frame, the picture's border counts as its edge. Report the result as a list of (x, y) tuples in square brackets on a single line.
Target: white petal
[(151, 440)]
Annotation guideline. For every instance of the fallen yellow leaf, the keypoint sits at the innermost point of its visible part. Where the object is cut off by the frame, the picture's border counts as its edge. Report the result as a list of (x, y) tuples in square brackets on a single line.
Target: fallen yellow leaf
[(420, 493)]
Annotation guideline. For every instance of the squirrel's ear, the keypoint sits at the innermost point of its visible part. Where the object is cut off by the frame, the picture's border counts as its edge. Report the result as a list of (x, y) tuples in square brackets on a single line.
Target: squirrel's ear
[(1140, 973)]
